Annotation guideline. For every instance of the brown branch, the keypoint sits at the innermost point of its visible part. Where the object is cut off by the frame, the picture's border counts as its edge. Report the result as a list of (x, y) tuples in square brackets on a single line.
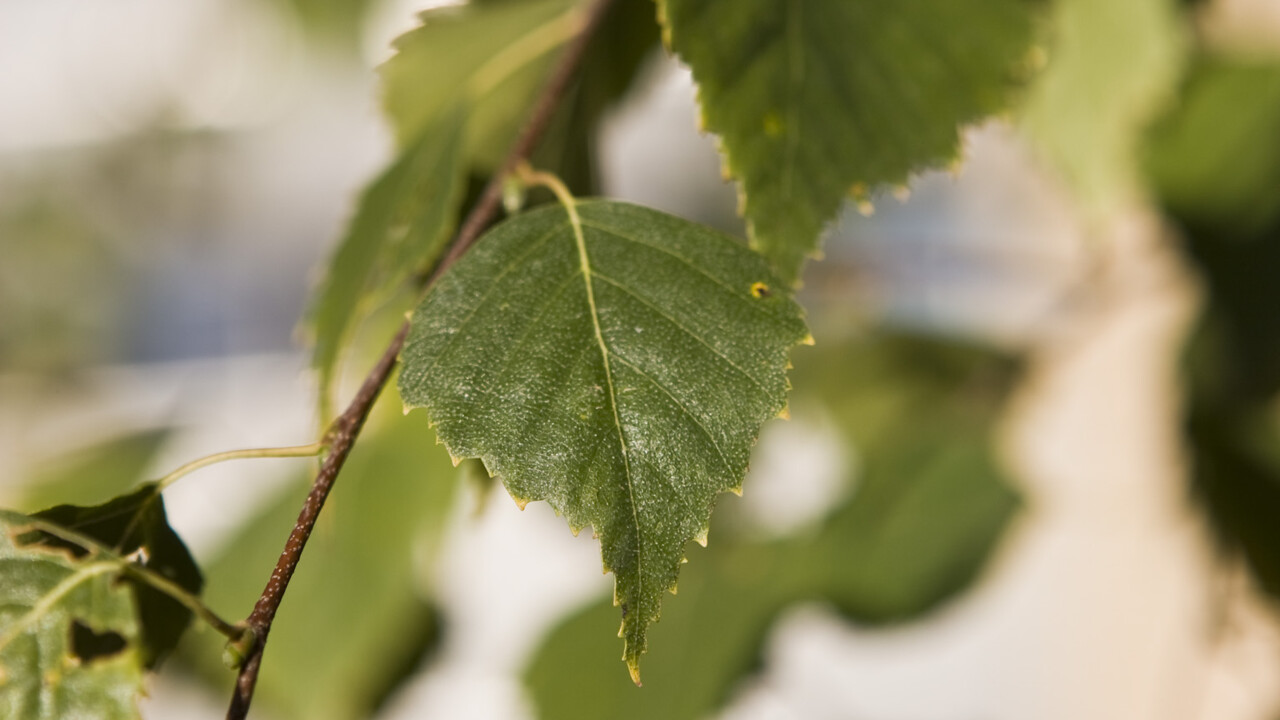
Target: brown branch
[(344, 430)]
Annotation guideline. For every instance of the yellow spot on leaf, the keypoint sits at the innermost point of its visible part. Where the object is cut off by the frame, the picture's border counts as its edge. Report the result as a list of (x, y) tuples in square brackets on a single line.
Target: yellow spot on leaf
[(760, 290)]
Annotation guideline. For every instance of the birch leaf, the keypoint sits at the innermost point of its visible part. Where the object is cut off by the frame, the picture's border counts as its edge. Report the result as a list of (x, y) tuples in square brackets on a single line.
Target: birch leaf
[(815, 99), (616, 362), (70, 642)]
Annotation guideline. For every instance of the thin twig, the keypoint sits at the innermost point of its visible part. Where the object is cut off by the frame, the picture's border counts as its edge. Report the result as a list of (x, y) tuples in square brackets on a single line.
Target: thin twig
[(347, 426)]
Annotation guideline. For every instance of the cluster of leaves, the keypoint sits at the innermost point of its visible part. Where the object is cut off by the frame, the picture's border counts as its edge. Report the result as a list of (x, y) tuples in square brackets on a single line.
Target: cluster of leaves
[(613, 360), (619, 362)]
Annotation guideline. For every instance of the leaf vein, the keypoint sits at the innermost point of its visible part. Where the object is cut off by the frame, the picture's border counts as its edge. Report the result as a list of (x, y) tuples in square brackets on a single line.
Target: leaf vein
[(683, 408), (691, 264), (572, 209), (683, 329)]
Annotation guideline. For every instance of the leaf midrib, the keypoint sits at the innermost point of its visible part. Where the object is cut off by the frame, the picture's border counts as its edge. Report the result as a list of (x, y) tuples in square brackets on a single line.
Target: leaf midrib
[(571, 207)]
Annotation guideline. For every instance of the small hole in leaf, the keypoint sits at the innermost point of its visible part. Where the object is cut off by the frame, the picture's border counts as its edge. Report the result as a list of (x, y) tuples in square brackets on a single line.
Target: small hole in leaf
[(88, 645), (760, 290)]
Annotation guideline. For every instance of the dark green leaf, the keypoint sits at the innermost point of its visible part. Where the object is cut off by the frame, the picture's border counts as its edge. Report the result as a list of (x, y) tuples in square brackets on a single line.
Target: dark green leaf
[(928, 507), (357, 617), (53, 605), (135, 525), (815, 100), (614, 361), (1215, 159), (403, 222)]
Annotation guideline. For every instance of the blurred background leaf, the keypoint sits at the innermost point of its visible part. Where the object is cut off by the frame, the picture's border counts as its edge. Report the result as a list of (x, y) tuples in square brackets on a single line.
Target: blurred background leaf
[(1214, 159), (1110, 69), (94, 474)]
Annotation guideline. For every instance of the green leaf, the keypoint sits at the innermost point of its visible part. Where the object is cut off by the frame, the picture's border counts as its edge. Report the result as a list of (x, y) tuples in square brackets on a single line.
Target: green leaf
[(492, 57), (69, 635), (1215, 159), (495, 55), (814, 99), (357, 618), (1111, 67), (136, 525), (615, 361), (928, 506), (402, 224)]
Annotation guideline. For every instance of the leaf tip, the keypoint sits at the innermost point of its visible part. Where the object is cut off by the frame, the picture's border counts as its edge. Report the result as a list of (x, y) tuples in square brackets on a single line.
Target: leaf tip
[(785, 412), (633, 667), (701, 537), (521, 503), (807, 339)]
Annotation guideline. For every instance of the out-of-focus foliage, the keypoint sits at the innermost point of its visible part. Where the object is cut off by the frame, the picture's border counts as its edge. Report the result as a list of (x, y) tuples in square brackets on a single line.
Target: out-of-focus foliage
[(358, 617), (498, 54), (403, 222), (1111, 67), (96, 473), (922, 514), (58, 292), (337, 22), (1215, 160)]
